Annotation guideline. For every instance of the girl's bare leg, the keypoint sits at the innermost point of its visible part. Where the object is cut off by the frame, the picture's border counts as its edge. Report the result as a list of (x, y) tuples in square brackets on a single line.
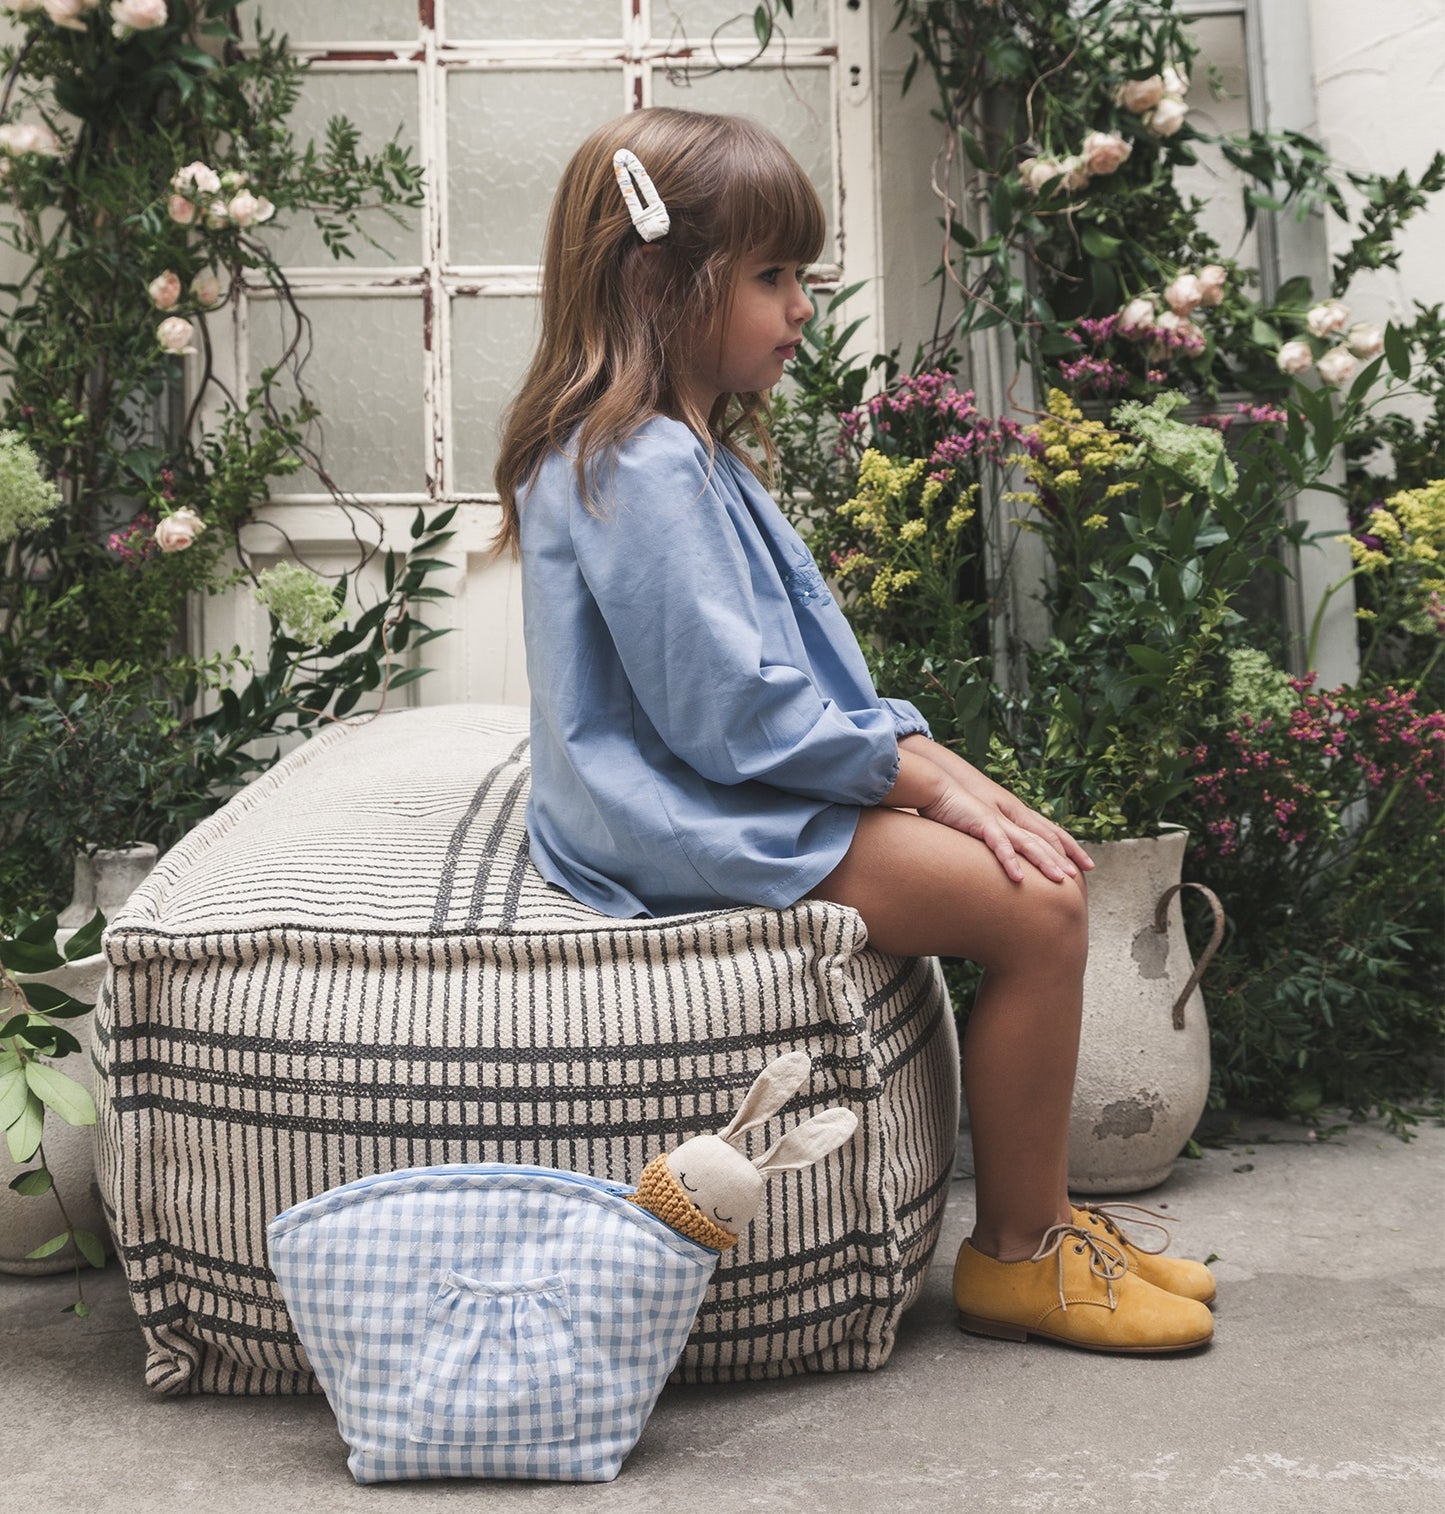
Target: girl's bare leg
[(926, 890)]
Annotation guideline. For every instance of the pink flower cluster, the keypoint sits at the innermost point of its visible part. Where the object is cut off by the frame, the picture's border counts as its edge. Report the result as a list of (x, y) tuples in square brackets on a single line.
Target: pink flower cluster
[(136, 542), (1289, 776), (1249, 415), (930, 412)]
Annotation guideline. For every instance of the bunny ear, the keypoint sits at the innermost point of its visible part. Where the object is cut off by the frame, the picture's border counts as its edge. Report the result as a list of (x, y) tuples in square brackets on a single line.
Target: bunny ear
[(773, 1087), (810, 1141)]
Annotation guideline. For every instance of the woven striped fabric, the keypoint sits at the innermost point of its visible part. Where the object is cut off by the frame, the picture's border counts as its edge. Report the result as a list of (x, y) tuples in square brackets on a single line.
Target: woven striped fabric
[(352, 969)]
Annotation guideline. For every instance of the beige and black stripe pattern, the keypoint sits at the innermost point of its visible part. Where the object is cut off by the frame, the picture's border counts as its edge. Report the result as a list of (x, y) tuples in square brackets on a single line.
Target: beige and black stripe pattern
[(352, 968)]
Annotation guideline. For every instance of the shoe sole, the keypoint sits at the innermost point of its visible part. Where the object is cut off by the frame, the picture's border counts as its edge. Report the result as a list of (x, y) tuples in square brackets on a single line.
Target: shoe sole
[(1000, 1330)]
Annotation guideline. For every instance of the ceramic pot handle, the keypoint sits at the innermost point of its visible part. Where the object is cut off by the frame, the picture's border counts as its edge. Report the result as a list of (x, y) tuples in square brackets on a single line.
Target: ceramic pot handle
[(1161, 924)]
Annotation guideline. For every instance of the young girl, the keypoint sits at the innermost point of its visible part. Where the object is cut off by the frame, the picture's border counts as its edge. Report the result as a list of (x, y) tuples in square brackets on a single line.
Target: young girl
[(704, 728)]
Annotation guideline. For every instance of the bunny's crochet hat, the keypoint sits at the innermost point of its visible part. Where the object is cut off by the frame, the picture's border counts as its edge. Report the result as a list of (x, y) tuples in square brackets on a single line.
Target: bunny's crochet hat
[(660, 1193)]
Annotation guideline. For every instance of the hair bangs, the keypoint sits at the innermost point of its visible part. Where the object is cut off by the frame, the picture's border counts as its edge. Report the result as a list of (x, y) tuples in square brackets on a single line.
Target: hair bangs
[(775, 211)]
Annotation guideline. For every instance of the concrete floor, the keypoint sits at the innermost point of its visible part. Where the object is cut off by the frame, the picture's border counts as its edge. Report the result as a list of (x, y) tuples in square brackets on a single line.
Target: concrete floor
[(1323, 1392)]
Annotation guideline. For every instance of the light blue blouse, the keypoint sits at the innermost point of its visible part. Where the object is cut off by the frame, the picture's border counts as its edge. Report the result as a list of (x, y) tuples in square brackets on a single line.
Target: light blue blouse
[(704, 727)]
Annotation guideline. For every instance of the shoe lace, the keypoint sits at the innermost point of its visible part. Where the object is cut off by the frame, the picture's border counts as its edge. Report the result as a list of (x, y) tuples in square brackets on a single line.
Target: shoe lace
[(1109, 1214), (1107, 1262)]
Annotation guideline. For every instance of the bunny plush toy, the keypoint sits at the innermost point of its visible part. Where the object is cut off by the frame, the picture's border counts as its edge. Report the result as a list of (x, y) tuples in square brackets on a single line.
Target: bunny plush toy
[(708, 1188), (503, 1321)]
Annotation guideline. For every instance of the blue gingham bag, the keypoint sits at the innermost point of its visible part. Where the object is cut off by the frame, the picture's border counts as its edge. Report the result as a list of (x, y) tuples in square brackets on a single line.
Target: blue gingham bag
[(488, 1320)]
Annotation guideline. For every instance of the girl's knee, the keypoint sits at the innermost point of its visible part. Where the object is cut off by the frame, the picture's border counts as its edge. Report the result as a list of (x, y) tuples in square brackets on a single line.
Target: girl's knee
[(1050, 925)]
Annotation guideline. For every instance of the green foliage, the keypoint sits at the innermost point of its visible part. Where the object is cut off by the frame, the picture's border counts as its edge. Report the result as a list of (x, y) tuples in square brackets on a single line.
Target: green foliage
[(31, 1042), (136, 220)]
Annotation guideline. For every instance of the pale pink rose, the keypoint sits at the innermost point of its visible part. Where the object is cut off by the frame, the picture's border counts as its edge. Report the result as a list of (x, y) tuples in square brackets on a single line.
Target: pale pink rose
[(232, 180), (1212, 281), (1073, 172), (180, 210), (216, 215), (1365, 340), (1167, 117), (206, 289), (1190, 339), (174, 533), (264, 209), (1136, 316), (1326, 318), (1176, 81), (127, 16), (1337, 366), (1294, 357), (164, 290), (196, 178), (24, 7), (1184, 295), (19, 138), (1038, 173), (1140, 95), (67, 13), (242, 208), (1104, 151), (174, 334)]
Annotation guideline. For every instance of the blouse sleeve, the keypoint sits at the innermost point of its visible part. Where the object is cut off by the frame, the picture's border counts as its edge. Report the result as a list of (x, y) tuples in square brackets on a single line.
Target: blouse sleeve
[(906, 719), (673, 583)]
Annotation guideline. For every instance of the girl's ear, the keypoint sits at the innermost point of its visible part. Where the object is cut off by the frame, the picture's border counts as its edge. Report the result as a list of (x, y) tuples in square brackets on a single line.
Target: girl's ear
[(809, 1142), (773, 1087)]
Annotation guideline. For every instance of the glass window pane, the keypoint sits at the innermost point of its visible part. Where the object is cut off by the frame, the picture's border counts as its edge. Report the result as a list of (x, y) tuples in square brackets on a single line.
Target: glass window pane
[(365, 372), (505, 20), (797, 105), (1218, 101), (732, 20), (509, 136), (377, 104), (492, 341), (307, 22)]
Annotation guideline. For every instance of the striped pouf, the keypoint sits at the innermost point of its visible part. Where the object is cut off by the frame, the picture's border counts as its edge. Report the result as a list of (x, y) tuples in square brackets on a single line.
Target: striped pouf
[(353, 968)]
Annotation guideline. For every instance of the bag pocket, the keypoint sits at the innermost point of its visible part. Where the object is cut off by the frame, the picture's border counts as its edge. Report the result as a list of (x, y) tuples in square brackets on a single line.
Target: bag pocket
[(497, 1365)]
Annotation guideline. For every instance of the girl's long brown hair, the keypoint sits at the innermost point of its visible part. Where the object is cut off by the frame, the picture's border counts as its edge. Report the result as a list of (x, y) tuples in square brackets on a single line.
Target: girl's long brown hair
[(618, 313)]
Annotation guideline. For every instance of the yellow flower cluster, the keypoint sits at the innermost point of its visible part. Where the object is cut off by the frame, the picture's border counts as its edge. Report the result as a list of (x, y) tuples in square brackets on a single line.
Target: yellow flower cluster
[(883, 486), (1410, 530), (888, 582), (1073, 455)]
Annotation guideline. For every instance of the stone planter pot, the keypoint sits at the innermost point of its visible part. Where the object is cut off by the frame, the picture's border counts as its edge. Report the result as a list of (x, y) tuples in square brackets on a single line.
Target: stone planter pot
[(104, 880), (1144, 1053)]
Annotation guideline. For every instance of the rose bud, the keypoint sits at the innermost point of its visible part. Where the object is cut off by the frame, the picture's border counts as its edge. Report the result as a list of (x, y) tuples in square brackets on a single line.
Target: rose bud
[(174, 334), (1140, 95), (1337, 366), (1104, 151), (1365, 340), (1212, 281), (1294, 357), (1167, 117), (1184, 295), (1326, 318), (164, 290)]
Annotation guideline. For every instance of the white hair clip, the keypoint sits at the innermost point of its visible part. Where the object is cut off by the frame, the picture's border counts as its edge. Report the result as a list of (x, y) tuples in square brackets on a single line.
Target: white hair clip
[(651, 220)]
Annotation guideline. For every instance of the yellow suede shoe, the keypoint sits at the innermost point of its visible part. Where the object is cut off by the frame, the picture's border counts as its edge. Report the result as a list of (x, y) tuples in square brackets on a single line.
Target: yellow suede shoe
[(1078, 1290), (1174, 1274)]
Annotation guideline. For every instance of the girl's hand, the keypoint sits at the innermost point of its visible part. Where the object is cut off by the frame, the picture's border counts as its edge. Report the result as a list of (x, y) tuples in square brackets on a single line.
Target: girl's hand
[(1010, 841), (1012, 809)]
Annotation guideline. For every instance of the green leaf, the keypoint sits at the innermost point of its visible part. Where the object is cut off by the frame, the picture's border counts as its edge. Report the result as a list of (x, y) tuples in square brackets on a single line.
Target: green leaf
[(1149, 658), (1099, 244), (33, 1183), (86, 941), (1397, 352), (14, 1093), (63, 1094), (26, 957), (24, 1135), (90, 1247), (49, 1248)]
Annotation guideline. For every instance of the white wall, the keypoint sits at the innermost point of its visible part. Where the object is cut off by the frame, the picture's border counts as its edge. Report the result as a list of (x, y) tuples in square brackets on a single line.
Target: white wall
[(1380, 90)]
